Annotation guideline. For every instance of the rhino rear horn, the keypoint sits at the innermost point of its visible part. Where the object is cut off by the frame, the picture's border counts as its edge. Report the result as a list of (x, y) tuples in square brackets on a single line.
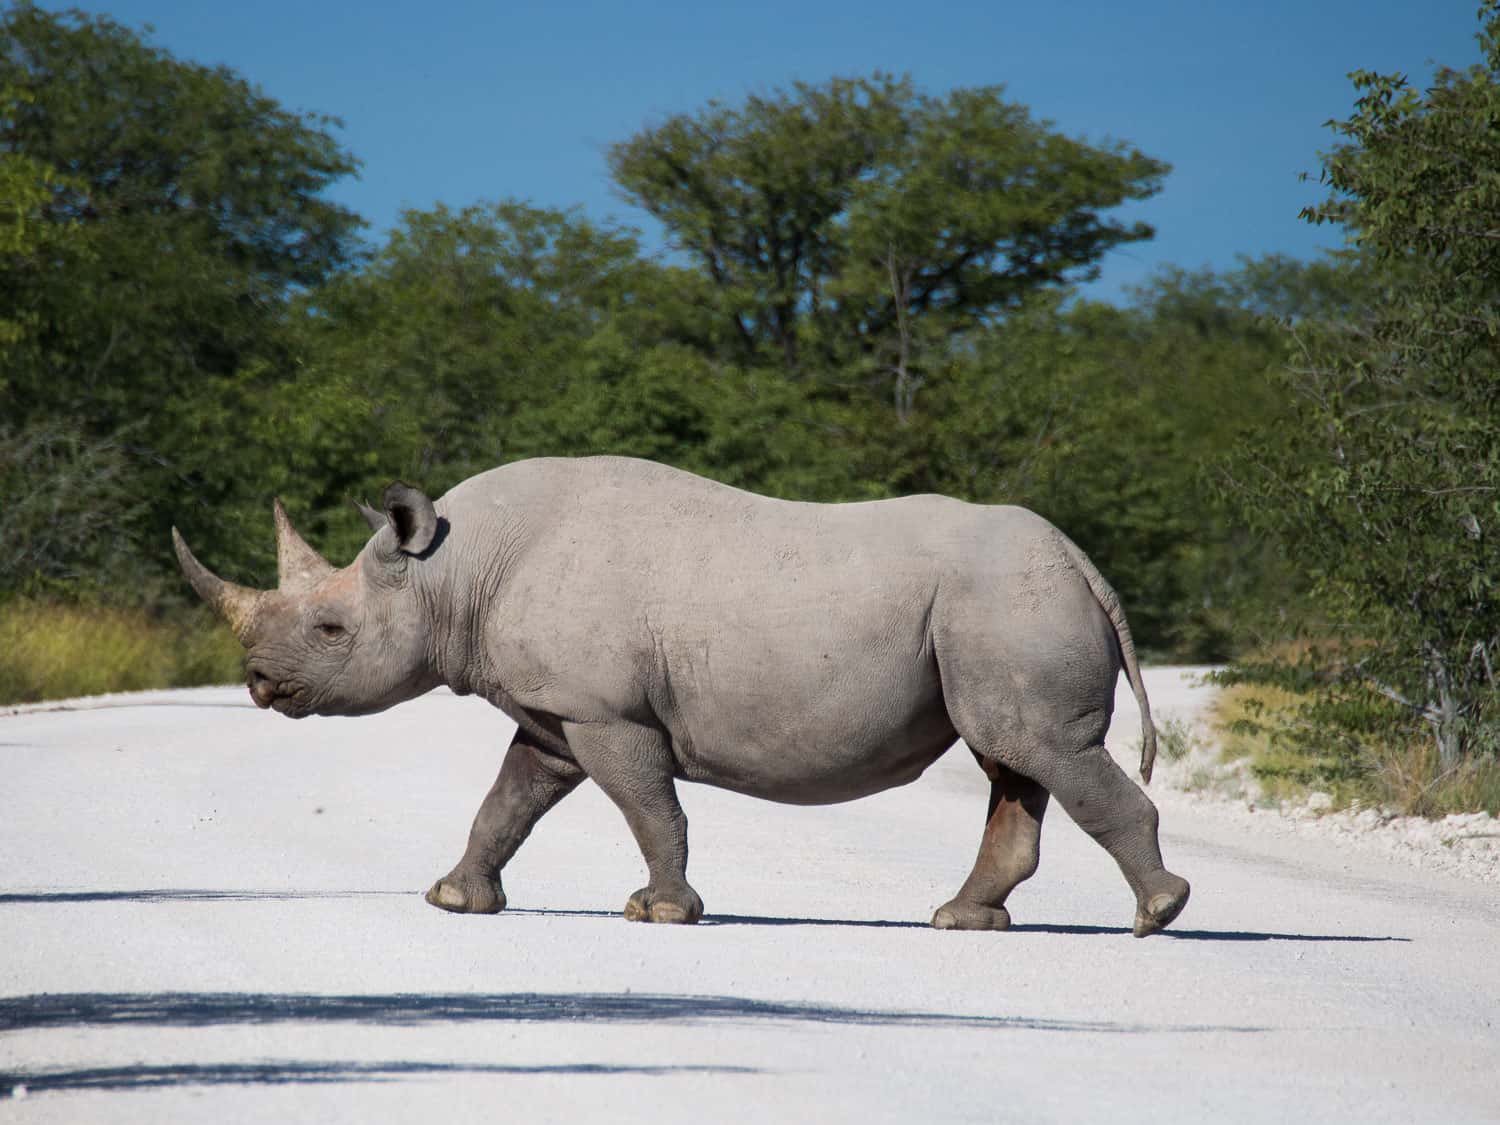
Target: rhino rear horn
[(298, 566), (236, 604), (412, 517)]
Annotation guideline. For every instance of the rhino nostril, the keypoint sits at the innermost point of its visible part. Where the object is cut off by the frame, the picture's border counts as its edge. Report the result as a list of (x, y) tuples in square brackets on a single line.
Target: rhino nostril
[(262, 688)]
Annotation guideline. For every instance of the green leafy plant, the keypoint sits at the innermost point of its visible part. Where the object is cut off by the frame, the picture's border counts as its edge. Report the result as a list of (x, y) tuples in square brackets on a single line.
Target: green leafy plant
[(1385, 487)]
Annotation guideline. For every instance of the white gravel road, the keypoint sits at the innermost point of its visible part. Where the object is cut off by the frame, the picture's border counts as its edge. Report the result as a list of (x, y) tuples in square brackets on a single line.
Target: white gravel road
[(211, 913)]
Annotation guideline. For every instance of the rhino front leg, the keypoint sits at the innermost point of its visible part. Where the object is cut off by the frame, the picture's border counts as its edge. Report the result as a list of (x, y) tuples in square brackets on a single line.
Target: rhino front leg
[(531, 781), (633, 764)]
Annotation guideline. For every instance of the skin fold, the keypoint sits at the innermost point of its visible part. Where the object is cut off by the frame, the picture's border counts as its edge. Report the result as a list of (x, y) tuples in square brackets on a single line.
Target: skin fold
[(643, 626)]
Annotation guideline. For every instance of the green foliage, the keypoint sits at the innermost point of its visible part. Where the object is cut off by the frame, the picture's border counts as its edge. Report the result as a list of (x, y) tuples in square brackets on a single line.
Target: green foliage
[(861, 223), (1176, 738), (870, 301), (159, 215), (1101, 418), (463, 318), (1298, 729), (470, 338), (1300, 732), (1387, 488), (29, 243)]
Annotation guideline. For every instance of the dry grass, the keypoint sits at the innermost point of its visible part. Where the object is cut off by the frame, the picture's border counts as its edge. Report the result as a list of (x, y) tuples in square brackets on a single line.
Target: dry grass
[(1409, 781), (1399, 775), (52, 651), (1246, 718)]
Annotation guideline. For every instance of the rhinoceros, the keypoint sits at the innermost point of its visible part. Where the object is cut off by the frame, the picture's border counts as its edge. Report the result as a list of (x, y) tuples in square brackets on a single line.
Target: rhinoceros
[(642, 625)]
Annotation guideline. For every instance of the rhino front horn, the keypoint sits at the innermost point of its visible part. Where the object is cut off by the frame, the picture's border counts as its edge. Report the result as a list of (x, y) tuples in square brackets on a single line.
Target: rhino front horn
[(298, 566), (236, 604)]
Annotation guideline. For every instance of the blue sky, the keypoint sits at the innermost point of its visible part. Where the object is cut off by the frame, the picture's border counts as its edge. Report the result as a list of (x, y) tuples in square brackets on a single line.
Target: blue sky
[(457, 102)]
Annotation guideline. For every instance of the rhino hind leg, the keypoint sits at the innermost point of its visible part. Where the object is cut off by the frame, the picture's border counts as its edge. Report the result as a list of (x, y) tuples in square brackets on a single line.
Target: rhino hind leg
[(1049, 724), (1112, 809), (531, 781), (633, 764), (1008, 852)]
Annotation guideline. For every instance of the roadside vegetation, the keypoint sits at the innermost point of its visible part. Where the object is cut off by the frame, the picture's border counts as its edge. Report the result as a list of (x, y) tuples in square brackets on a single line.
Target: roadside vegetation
[(1289, 750), (52, 650), (1382, 491), (873, 292)]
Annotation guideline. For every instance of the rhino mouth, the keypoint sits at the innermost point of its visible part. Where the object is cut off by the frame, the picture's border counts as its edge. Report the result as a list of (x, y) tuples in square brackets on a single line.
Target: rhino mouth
[(276, 695), (290, 706)]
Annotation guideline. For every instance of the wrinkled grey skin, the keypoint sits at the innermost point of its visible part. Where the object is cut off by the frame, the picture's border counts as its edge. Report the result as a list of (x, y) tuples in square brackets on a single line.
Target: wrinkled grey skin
[(644, 626)]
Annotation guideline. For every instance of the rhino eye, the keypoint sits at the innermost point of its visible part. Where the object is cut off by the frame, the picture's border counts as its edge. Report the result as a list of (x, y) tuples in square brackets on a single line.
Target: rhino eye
[(331, 630)]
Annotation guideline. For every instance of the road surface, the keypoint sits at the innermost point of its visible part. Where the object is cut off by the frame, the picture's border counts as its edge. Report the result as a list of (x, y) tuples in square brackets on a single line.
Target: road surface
[(212, 913)]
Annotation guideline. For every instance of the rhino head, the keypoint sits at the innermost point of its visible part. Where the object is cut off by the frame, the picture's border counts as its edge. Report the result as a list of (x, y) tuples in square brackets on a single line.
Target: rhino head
[(331, 641)]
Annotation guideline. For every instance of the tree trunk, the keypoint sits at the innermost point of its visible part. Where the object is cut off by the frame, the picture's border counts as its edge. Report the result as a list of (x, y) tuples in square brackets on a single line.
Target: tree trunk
[(1445, 720)]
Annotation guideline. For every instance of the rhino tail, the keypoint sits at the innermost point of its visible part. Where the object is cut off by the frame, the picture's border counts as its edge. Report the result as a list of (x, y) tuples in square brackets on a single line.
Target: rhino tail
[(1109, 601)]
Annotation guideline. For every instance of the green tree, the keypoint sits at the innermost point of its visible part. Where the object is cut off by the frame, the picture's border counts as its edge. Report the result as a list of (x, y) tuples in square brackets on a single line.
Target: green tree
[(29, 242), (1388, 491), (191, 207), (68, 495), (856, 226), (473, 336), (1104, 419)]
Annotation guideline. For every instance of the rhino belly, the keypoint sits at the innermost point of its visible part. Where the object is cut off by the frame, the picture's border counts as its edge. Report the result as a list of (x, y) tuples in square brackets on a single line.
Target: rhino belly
[(810, 739), (819, 777)]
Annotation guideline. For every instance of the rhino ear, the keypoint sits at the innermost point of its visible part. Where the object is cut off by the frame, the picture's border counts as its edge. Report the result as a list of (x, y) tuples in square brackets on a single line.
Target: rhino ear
[(373, 516), (412, 517)]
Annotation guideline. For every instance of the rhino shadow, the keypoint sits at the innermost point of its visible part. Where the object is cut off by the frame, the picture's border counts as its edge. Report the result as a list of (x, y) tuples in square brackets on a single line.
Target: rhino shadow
[(289, 1072), (209, 1009), (1074, 929)]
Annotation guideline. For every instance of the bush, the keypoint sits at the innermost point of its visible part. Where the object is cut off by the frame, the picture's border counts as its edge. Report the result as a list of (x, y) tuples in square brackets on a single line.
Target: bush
[(1361, 749)]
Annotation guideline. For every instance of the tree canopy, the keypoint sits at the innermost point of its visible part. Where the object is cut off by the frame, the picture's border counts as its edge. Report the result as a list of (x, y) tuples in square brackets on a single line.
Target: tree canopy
[(837, 222)]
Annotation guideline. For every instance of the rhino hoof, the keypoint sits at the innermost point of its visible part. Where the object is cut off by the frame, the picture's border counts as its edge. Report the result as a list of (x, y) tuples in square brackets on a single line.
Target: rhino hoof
[(647, 905), (958, 915), (466, 897), (1161, 908)]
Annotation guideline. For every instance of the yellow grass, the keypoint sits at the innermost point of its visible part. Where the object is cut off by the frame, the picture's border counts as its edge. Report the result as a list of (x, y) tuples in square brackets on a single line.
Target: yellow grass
[(1400, 775), (53, 651), (1410, 782)]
